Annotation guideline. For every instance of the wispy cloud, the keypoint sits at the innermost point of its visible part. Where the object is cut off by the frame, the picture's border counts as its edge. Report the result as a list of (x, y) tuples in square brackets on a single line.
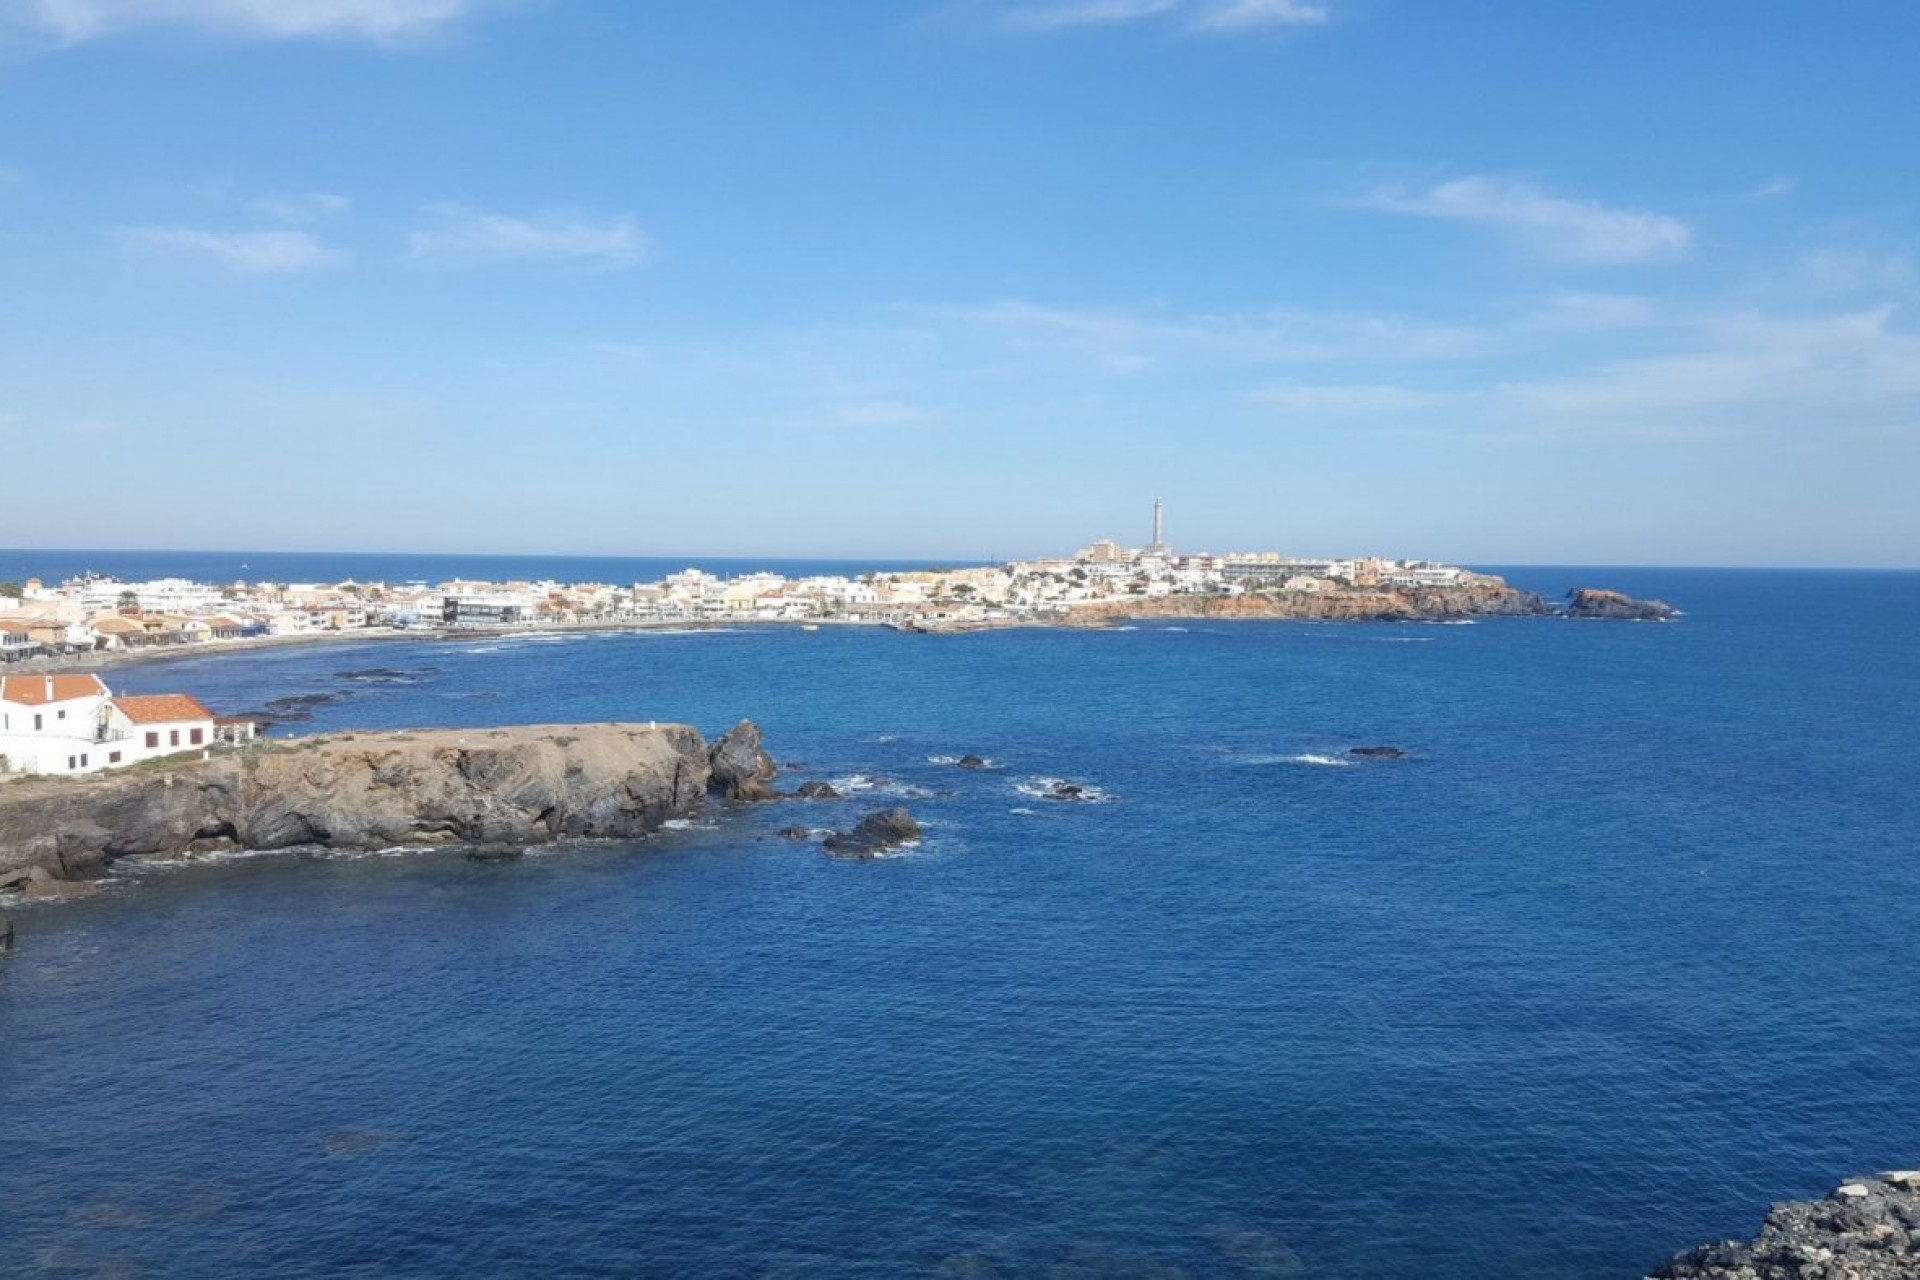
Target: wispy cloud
[(383, 22), (1340, 400), (1215, 15), (457, 234), (1246, 15), (312, 206), (1558, 226), (253, 252)]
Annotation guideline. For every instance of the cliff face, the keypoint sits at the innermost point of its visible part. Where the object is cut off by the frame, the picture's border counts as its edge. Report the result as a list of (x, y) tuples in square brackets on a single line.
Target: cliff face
[(1488, 597), (517, 786)]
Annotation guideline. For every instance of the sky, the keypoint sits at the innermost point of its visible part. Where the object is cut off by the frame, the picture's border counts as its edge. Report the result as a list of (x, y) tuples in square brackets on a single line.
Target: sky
[(1596, 281)]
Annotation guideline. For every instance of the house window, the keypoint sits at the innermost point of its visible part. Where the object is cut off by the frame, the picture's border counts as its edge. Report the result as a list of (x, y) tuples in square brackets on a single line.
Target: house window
[(113, 757), (69, 764), (153, 740), (173, 737), (83, 762), (61, 714), (197, 736), (36, 720)]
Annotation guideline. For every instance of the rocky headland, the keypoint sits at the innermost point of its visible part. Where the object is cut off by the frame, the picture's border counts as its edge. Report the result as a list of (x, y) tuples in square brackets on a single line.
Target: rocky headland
[(1868, 1229), (492, 789), (1481, 598)]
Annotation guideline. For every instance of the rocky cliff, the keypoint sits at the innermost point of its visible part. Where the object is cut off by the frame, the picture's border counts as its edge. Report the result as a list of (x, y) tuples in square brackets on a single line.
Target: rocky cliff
[(518, 786), (1480, 597), (1868, 1229)]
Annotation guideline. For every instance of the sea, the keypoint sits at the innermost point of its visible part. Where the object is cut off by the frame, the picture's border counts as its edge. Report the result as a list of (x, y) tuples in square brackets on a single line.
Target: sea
[(1623, 950)]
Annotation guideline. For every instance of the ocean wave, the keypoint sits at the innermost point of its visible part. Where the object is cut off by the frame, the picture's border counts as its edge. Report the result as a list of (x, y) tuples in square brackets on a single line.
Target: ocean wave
[(1313, 758), (1048, 788)]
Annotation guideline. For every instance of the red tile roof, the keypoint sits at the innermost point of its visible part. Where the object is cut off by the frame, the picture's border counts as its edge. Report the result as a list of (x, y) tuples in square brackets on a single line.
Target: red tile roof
[(162, 708), (38, 691)]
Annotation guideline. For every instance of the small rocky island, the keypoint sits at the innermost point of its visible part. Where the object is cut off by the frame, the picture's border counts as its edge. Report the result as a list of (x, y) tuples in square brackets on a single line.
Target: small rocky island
[(1868, 1229), (493, 789), (1593, 602)]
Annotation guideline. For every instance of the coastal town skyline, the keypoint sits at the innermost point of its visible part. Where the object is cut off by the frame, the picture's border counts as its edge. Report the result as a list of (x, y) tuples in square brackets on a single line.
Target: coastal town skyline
[(961, 278)]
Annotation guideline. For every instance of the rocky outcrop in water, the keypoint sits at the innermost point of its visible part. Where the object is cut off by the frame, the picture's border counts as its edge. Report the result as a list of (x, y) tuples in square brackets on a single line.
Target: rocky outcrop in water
[(1377, 753), (740, 765), (874, 834), (817, 791), (1868, 1229), (1592, 602), (493, 789), (6, 933)]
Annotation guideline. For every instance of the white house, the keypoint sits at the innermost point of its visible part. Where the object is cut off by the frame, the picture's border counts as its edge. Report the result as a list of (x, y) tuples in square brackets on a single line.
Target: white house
[(73, 724), (53, 724)]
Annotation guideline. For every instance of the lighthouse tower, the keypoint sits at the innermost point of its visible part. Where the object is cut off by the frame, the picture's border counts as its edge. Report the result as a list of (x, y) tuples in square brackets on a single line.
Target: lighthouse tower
[(1159, 545)]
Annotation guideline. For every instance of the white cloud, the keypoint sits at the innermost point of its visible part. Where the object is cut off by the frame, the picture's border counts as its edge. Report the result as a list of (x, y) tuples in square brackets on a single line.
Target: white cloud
[(1089, 13), (247, 251), (312, 206), (1359, 399), (1811, 370), (458, 234), (384, 22), (1777, 186), (1215, 15), (1573, 230), (882, 413), (1243, 15), (1855, 271)]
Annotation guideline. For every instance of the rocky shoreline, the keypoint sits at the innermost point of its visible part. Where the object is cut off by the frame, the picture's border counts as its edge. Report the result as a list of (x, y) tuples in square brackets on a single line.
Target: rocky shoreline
[(1868, 1229), (484, 788)]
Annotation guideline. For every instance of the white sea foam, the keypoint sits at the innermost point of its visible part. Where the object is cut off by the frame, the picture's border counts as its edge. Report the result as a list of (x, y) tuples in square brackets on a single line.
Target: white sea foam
[(943, 759), (1020, 810), (1046, 788), (1181, 630)]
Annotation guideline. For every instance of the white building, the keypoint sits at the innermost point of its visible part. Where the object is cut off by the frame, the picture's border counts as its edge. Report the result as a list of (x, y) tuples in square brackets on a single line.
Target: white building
[(63, 724)]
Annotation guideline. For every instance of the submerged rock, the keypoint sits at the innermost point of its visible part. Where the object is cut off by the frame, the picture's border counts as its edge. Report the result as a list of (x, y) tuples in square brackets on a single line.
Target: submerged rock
[(971, 762), (1868, 1229), (6, 932), (874, 834), (1061, 789), (797, 834), (741, 767), (817, 791), (1378, 753), (1592, 602), (495, 853)]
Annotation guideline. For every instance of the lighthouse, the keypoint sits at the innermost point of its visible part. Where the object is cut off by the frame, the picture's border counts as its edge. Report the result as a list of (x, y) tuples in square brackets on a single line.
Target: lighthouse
[(1159, 544)]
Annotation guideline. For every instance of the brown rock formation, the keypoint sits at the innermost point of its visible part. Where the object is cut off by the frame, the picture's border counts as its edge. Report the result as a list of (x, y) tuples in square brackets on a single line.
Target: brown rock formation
[(517, 786)]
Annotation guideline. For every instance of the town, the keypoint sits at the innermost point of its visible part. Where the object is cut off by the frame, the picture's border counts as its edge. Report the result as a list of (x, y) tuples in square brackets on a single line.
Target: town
[(98, 615)]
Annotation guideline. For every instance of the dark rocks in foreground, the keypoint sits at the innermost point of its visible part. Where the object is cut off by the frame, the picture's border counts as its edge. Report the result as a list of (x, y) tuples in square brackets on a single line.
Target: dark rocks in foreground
[(874, 834), (1868, 1229), (1592, 602), (495, 790), (740, 765)]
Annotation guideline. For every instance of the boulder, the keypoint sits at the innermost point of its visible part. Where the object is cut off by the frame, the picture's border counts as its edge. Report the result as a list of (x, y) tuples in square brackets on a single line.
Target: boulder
[(971, 762), (1377, 753), (797, 834), (874, 834), (740, 765), (1592, 602), (1060, 789), (817, 791)]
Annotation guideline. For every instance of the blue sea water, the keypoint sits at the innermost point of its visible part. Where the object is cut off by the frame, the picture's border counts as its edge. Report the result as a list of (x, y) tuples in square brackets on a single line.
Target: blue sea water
[(1623, 951)]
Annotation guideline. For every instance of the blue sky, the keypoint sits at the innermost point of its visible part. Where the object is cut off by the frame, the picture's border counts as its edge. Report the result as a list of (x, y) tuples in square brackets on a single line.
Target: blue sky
[(1595, 281)]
